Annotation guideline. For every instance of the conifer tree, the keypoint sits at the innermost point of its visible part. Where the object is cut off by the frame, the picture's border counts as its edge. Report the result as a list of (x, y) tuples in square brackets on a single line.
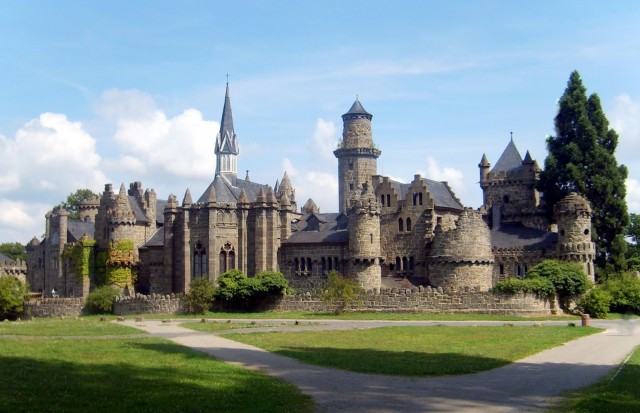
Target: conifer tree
[(582, 159)]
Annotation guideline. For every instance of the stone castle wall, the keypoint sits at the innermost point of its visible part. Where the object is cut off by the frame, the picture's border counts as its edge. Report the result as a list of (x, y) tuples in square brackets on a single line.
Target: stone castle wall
[(150, 304), (54, 307), (429, 300)]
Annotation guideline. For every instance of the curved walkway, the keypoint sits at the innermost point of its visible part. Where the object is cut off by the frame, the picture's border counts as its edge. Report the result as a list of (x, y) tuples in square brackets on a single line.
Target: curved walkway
[(530, 384)]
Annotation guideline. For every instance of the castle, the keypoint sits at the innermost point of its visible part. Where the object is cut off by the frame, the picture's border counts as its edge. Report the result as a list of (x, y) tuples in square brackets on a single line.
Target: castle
[(386, 233)]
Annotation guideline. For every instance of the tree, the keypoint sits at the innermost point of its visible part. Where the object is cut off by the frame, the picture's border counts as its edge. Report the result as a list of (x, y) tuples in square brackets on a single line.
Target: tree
[(581, 158), (74, 199), (13, 294), (341, 291), (14, 250), (633, 232)]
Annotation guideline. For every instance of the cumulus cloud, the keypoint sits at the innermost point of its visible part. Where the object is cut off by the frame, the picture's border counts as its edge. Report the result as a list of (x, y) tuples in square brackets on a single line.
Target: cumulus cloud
[(625, 120), (633, 195), (148, 140), (21, 221), (324, 139), (321, 186), (453, 176)]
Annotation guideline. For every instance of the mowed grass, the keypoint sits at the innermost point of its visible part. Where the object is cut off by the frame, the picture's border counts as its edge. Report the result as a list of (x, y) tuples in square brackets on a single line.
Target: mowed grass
[(82, 326), (212, 327), (415, 351), (120, 374), (618, 393)]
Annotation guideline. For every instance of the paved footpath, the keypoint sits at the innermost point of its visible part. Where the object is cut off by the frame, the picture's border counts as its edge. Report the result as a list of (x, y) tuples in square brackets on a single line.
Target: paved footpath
[(530, 384)]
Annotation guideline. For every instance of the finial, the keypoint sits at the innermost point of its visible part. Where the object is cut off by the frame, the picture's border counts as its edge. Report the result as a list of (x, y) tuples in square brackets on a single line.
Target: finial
[(511, 135), (227, 78)]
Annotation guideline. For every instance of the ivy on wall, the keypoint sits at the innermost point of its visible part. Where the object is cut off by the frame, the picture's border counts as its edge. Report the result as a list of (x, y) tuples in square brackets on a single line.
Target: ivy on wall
[(119, 268), (81, 256)]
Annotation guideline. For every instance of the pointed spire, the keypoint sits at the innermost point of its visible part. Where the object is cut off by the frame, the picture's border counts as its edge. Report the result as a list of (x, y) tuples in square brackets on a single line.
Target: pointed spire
[(262, 197), (484, 161), (243, 199), (310, 207), (527, 158), (212, 195), (284, 200), (357, 110), (509, 159), (172, 202), (286, 187), (275, 187), (271, 196), (187, 201), (246, 178), (121, 211), (226, 123)]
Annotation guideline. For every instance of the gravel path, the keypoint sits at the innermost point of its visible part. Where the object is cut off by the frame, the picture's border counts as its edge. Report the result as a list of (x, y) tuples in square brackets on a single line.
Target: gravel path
[(530, 384)]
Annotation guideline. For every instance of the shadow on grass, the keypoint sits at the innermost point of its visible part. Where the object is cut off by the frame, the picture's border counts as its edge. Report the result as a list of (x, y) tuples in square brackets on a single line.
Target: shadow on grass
[(34, 384), (403, 363)]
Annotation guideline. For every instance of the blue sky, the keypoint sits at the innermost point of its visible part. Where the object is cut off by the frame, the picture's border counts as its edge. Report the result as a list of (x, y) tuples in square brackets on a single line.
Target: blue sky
[(115, 92)]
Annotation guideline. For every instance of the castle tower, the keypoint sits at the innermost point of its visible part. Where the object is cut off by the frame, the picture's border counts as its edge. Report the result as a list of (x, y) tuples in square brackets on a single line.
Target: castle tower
[(364, 238), (573, 216), (226, 148), (357, 155), (462, 257), (88, 209)]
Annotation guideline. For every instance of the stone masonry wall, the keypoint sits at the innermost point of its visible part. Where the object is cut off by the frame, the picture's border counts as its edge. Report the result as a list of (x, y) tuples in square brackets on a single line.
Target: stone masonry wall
[(54, 307), (429, 300), (150, 304)]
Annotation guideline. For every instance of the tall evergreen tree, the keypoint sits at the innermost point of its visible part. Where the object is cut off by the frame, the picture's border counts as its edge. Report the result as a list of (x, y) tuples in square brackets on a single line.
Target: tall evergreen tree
[(582, 159)]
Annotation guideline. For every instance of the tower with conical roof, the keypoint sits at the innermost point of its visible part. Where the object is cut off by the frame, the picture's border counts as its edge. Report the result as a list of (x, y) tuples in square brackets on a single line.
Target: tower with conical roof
[(357, 154), (226, 148)]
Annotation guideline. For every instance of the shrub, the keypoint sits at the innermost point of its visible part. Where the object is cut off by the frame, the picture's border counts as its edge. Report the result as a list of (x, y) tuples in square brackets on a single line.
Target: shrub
[(341, 291), (100, 300), (625, 292), (238, 290), (13, 294), (595, 302), (567, 278), (200, 295), (540, 286)]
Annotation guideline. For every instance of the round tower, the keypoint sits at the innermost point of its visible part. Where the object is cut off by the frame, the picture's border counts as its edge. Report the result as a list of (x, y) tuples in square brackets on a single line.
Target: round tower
[(364, 238), (88, 209), (573, 216), (357, 155), (462, 258)]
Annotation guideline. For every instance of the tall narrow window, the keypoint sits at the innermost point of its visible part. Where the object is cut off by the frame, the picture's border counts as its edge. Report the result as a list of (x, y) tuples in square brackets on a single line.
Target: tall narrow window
[(222, 258), (296, 264), (199, 260), (323, 263), (388, 200), (420, 198), (400, 225), (309, 264), (398, 264), (412, 263), (382, 200), (408, 224), (232, 260)]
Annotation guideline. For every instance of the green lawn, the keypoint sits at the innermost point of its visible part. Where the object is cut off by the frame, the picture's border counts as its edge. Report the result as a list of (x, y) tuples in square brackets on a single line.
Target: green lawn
[(414, 351), (129, 375), (618, 393), (82, 326), (212, 327)]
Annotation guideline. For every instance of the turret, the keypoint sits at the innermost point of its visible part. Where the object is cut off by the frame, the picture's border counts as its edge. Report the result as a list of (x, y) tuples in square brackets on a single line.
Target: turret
[(484, 166), (364, 238), (357, 154), (88, 209), (573, 216)]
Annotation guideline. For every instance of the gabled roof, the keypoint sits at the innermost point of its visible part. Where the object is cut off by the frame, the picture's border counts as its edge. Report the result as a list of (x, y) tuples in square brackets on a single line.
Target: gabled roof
[(441, 194), (227, 193), (156, 240), (76, 229), (328, 230), (4, 258), (510, 159), (138, 214)]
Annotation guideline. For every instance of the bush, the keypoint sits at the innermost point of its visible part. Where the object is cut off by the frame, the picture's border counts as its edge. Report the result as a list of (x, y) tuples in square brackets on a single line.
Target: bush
[(596, 302), (238, 290), (13, 294), (567, 278), (625, 292), (540, 286), (100, 300), (200, 296), (341, 291)]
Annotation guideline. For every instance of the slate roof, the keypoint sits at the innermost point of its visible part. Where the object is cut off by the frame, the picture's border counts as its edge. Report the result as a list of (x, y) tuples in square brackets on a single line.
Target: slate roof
[(138, 214), (226, 192), (329, 232), (156, 240), (357, 109), (160, 205), (76, 229), (517, 235), (510, 159), (441, 195), (5, 258)]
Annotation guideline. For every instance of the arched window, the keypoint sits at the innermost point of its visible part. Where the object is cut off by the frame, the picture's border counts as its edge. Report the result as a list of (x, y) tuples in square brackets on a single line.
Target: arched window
[(302, 265), (398, 264), (330, 262), (336, 263), (232, 260), (388, 200), (323, 263), (222, 258), (412, 263), (296, 264), (309, 264), (400, 225), (199, 260), (382, 200), (415, 198), (408, 224), (420, 198), (405, 264), (501, 269), (227, 257), (505, 199)]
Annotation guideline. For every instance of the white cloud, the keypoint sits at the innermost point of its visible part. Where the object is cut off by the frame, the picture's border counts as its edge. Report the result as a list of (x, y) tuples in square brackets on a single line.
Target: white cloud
[(633, 195), (454, 177), (21, 221), (324, 139), (321, 186), (625, 120), (148, 140)]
